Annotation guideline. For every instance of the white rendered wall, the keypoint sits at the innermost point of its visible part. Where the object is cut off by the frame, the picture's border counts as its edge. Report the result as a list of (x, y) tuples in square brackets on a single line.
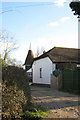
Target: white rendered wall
[(47, 69)]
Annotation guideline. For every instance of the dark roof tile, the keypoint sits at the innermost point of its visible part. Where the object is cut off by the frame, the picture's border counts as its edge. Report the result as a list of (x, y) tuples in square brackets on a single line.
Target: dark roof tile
[(29, 58)]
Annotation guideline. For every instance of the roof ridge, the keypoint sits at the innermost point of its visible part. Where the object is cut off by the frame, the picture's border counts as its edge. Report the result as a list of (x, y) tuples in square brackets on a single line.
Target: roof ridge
[(61, 54), (67, 48), (46, 53)]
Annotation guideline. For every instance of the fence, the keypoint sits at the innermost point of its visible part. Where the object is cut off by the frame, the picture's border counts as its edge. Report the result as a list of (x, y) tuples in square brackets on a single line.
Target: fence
[(71, 79)]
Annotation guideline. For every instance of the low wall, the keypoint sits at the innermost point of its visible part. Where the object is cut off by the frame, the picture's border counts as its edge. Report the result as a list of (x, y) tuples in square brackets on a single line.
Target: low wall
[(56, 82), (41, 85)]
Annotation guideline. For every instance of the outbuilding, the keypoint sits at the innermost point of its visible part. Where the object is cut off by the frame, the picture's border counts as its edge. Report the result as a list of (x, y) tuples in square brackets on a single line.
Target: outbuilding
[(44, 65)]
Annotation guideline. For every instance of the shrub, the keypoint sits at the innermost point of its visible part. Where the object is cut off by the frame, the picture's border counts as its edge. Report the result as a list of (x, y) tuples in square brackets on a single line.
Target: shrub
[(15, 93), (36, 113), (56, 73), (12, 102), (3, 62)]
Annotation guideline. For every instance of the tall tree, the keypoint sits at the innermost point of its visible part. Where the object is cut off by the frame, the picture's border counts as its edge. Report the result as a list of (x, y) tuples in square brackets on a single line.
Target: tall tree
[(6, 43), (75, 6)]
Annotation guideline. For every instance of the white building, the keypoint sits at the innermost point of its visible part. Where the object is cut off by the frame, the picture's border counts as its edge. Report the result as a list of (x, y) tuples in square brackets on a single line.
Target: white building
[(42, 69), (44, 65)]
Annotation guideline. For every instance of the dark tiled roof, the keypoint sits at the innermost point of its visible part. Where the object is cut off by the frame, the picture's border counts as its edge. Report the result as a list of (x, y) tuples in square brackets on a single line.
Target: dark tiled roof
[(29, 58), (64, 55)]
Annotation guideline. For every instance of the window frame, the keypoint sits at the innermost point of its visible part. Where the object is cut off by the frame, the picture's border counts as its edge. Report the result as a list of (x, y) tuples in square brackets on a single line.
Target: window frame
[(40, 72)]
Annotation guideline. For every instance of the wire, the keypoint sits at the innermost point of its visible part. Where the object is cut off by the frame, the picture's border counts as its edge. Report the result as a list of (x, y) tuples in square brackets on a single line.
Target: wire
[(23, 7), (27, 6), (51, 3), (5, 11), (31, 5), (9, 11)]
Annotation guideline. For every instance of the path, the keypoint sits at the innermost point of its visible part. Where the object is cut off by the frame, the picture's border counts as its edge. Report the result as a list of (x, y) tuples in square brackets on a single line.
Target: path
[(60, 104)]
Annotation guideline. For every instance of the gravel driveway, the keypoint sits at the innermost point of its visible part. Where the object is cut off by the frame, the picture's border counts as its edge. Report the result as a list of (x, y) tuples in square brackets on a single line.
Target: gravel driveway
[(60, 104)]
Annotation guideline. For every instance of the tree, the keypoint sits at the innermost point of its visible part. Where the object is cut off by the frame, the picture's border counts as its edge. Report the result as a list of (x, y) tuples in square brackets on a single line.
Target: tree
[(40, 51), (75, 6), (14, 62), (6, 44), (37, 52)]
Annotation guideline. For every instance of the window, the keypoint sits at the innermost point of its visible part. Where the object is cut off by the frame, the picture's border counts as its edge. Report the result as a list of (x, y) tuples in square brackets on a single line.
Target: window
[(40, 72)]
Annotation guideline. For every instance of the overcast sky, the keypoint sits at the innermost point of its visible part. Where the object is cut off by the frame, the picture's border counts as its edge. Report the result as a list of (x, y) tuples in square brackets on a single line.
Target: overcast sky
[(43, 24)]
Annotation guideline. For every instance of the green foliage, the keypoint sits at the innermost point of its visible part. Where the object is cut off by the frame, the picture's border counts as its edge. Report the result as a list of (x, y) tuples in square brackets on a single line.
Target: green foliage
[(37, 112), (56, 73), (16, 94), (75, 6), (3, 62)]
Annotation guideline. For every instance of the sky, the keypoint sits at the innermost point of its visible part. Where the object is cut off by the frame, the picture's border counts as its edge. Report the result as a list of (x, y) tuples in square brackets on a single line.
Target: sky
[(43, 24)]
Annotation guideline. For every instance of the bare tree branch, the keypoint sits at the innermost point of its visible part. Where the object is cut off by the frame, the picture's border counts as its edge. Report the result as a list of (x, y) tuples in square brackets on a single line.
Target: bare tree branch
[(7, 43)]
